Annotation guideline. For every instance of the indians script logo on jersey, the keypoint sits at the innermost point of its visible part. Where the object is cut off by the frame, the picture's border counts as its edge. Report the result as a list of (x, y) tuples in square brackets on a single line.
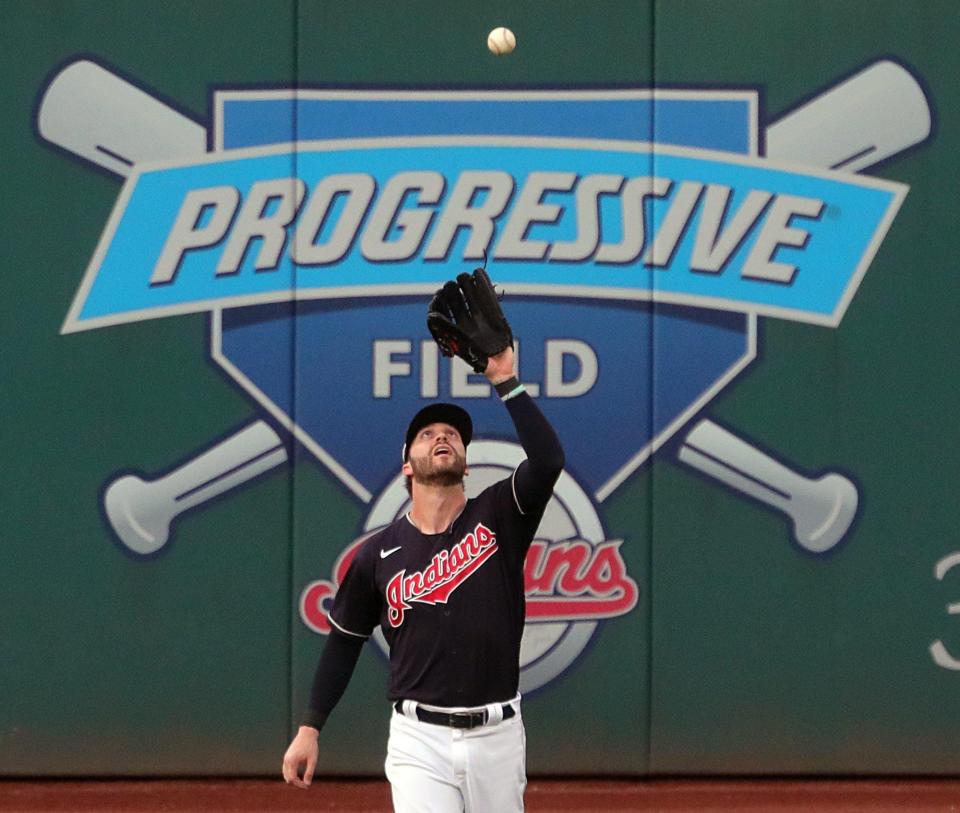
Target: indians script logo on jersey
[(640, 236), (564, 581), (445, 573)]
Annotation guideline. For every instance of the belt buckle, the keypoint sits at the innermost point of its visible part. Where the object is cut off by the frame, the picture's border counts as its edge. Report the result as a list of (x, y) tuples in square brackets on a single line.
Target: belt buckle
[(467, 719)]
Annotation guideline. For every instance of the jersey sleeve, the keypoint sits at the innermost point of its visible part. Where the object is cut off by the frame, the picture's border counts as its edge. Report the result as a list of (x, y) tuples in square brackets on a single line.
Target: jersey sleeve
[(521, 499), (357, 606), (333, 673), (532, 483)]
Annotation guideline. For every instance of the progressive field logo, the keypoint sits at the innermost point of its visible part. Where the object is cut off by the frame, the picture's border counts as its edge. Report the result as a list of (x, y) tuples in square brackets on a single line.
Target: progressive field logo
[(639, 235)]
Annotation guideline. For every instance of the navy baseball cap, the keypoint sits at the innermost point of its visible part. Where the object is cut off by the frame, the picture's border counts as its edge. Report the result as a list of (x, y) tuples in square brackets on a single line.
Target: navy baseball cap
[(458, 418)]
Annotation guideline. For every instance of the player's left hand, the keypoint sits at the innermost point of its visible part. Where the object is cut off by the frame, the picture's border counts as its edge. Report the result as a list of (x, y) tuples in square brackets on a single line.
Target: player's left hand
[(466, 320), (501, 367)]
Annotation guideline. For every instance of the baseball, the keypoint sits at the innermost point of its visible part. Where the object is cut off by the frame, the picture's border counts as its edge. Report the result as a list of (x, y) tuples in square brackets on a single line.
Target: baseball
[(501, 41)]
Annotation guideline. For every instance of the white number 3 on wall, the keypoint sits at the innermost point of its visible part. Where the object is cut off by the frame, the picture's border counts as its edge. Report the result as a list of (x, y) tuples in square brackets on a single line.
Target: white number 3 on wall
[(939, 652)]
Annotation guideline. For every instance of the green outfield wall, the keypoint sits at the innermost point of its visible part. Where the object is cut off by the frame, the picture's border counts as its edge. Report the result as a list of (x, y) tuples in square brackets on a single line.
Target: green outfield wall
[(750, 566)]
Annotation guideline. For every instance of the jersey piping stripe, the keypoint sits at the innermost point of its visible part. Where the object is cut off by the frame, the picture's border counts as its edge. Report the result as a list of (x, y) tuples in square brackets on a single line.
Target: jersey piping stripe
[(513, 488), (414, 524), (345, 631)]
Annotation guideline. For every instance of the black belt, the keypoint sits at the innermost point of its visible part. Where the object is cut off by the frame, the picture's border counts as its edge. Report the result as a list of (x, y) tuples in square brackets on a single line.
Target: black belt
[(455, 719)]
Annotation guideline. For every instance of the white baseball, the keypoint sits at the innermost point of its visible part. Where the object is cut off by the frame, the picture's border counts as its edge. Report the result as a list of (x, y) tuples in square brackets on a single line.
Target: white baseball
[(501, 41)]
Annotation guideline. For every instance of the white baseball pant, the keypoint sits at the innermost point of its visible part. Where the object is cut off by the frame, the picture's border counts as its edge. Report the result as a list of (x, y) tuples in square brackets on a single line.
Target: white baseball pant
[(437, 769)]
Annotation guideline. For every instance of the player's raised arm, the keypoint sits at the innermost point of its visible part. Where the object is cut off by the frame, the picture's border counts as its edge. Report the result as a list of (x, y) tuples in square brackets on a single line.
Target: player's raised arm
[(535, 477), (466, 320)]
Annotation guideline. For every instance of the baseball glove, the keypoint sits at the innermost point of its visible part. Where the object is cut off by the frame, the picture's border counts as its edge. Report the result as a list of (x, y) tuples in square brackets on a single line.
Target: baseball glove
[(466, 320)]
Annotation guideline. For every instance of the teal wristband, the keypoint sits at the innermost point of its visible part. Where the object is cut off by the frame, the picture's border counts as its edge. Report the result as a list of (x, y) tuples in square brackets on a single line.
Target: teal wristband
[(509, 388)]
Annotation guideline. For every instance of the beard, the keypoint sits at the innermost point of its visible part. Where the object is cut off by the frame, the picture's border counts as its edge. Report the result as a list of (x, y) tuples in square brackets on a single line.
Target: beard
[(438, 471)]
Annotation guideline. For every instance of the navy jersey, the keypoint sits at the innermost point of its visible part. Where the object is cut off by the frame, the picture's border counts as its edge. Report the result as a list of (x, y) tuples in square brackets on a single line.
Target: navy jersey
[(451, 605)]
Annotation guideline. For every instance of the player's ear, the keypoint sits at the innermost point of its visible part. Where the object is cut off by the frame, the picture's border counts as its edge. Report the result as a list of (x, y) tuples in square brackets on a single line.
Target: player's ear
[(407, 469)]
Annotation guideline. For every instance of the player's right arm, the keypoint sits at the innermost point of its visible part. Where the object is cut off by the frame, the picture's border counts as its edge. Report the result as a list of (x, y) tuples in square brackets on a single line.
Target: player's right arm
[(355, 607), (330, 680)]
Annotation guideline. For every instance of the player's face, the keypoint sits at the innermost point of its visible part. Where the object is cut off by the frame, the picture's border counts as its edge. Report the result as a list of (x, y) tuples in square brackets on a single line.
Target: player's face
[(437, 455)]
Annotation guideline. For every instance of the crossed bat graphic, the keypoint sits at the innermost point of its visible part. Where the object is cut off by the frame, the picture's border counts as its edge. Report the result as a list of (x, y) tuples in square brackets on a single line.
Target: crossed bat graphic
[(96, 115)]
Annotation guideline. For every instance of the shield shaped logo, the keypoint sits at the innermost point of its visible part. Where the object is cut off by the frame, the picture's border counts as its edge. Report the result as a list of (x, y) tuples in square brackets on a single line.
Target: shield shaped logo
[(618, 343), (595, 358)]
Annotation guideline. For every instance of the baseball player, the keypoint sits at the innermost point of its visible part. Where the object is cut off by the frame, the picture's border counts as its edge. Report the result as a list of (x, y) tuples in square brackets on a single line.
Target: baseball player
[(445, 584)]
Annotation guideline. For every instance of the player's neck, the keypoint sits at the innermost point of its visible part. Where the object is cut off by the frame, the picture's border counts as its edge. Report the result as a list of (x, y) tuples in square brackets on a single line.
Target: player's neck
[(436, 507)]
